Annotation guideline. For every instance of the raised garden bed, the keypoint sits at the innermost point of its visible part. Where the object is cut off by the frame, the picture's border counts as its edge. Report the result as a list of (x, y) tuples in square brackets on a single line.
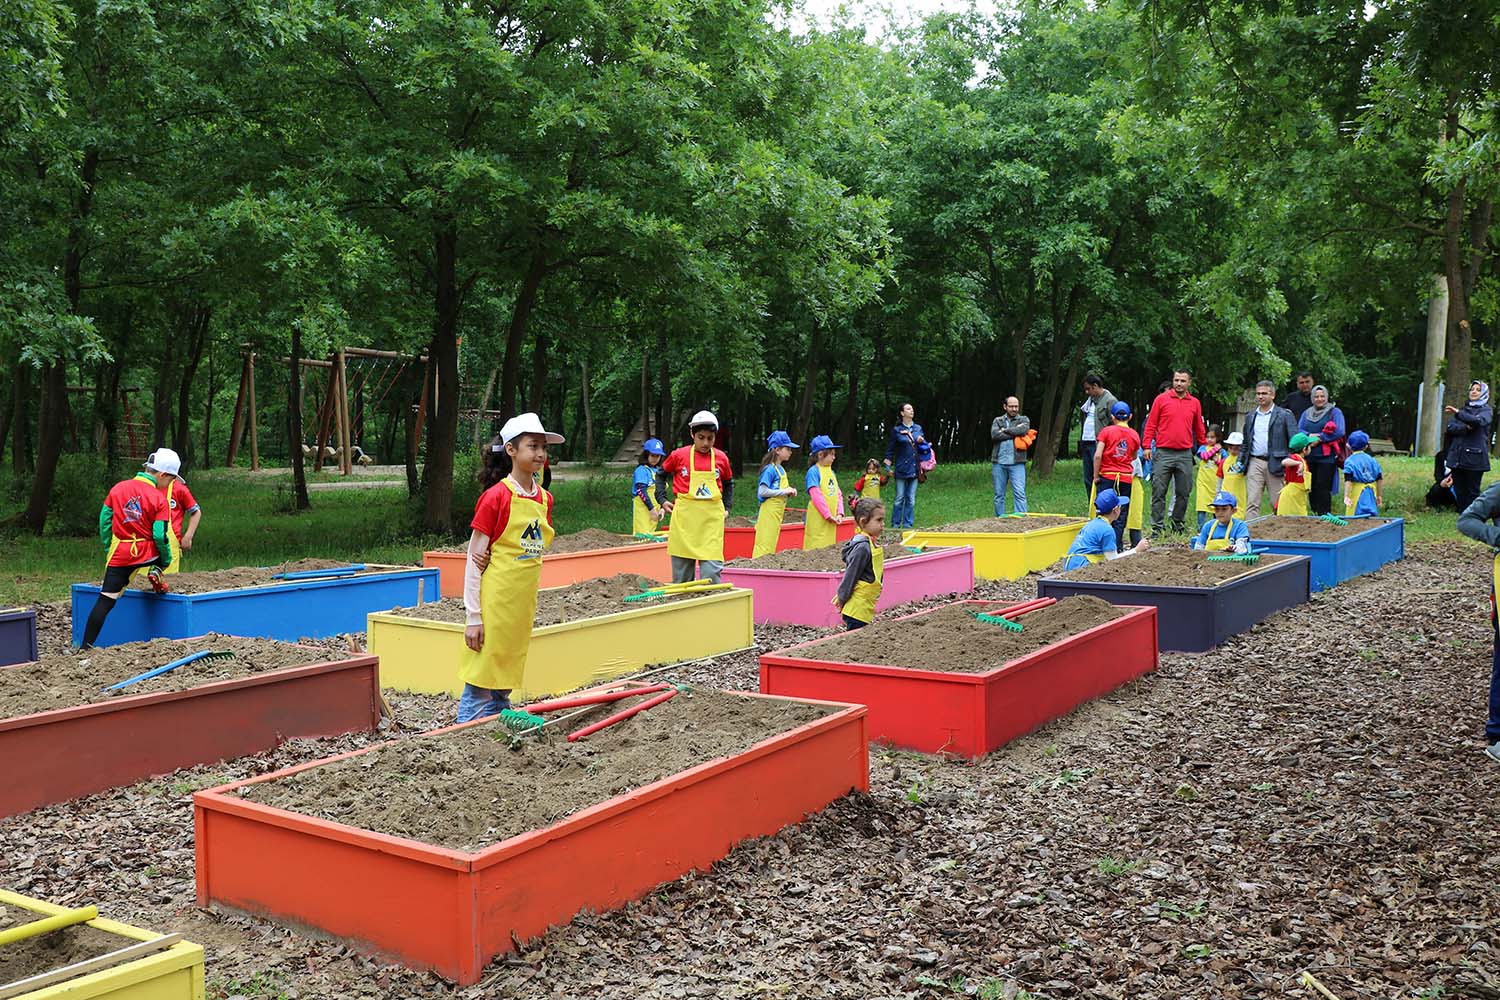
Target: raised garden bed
[(528, 832), (94, 960), (572, 558), (585, 634), (65, 737), (1335, 552), (1005, 548), (256, 605), (17, 635), (1199, 603), (739, 533), (940, 681), (797, 596)]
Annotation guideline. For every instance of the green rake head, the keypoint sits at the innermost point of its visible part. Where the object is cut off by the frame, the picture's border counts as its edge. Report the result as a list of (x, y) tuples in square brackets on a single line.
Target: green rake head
[(1004, 623), (1249, 560), (1334, 519), (645, 595), (519, 721)]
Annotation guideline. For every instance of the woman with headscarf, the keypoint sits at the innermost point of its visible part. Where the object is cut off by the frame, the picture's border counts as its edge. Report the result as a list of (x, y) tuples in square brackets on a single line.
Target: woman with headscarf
[(1468, 456), (1323, 421)]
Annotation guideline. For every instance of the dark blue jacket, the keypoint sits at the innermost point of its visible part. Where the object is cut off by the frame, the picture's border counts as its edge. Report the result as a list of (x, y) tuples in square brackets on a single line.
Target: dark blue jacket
[(1326, 450), (901, 450), (1469, 432), (1278, 439)]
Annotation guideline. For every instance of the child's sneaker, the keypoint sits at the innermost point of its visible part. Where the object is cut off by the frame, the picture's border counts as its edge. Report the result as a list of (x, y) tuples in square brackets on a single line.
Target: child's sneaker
[(156, 579), (1493, 751)]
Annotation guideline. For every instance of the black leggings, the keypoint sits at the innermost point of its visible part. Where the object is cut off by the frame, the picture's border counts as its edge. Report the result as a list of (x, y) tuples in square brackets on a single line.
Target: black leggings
[(1320, 495), (1466, 486)]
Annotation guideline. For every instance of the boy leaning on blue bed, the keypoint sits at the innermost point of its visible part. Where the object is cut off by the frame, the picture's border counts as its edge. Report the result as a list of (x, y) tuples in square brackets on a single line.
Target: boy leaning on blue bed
[(1225, 532), (1095, 541)]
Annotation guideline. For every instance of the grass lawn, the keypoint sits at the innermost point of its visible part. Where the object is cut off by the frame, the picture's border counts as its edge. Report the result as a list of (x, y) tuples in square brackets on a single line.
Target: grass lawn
[(244, 522)]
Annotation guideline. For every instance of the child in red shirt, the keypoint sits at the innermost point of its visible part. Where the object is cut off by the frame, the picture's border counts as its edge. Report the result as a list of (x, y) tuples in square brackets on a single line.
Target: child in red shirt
[(133, 526), (1114, 455), (701, 481)]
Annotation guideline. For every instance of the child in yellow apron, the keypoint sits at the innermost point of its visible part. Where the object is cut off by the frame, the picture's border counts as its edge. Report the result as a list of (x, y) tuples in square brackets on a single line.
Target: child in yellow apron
[(1293, 499), (645, 512), (1234, 473), (1210, 472), (1097, 541), (869, 484), (512, 525), (1225, 533), (772, 490), (826, 506), (703, 496), (863, 558)]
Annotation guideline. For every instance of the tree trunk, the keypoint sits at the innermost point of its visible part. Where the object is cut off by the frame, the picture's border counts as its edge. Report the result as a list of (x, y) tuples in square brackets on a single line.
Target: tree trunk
[(197, 340), (442, 425), (804, 408), (588, 417), (1460, 335), (538, 388), (846, 421), (294, 421), (520, 315), (164, 393), (481, 419)]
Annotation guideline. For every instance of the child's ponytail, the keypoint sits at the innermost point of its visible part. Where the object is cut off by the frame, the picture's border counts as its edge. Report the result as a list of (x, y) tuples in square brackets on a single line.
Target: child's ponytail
[(770, 459), (495, 464)]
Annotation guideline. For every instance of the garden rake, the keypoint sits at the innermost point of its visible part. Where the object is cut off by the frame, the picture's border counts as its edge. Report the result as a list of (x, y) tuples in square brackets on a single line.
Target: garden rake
[(207, 654), (1334, 519), (523, 721), (1004, 623), (1006, 619), (1248, 558), (672, 589)]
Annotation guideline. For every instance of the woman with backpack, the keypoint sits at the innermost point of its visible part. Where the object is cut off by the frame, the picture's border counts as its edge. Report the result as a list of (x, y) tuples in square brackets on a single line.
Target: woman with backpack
[(902, 457), (1012, 435)]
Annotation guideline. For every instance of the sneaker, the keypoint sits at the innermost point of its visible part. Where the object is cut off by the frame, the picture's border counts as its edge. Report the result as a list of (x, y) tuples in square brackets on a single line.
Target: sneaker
[(156, 579), (1493, 751)]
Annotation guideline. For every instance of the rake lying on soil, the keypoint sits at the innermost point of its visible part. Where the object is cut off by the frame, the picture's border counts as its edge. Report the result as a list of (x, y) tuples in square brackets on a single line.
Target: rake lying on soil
[(309, 574), (207, 654), (1006, 619), (522, 721), (672, 589), (1334, 519), (1248, 558)]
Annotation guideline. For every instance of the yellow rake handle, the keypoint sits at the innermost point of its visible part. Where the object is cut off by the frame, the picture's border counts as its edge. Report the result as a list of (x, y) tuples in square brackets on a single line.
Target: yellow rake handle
[(48, 924)]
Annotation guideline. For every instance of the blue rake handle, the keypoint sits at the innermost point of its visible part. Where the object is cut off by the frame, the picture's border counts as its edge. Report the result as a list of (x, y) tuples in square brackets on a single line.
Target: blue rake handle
[(309, 573), (168, 667)]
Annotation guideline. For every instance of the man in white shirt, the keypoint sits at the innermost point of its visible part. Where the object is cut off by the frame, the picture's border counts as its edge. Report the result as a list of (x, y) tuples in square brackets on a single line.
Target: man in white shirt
[(1095, 411)]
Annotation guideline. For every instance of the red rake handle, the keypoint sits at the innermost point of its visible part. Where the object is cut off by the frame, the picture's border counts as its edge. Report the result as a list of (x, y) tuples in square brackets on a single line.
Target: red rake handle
[(1036, 604), (593, 698), (574, 737)]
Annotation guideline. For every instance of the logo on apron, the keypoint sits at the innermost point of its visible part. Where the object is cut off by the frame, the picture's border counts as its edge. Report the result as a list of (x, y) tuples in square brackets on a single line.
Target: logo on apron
[(703, 492), (531, 541)]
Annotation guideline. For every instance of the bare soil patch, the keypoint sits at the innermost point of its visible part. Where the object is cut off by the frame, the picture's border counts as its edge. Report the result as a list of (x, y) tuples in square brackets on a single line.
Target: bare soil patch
[(951, 638), (244, 576), (1311, 529), (587, 540), (62, 681), (491, 786), (45, 952), (829, 558), (585, 599), (1170, 567), (1009, 525)]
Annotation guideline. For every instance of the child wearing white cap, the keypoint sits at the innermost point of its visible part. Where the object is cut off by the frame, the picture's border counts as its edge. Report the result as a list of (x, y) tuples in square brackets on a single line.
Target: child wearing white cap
[(512, 525), (1233, 478), (134, 527), (703, 484)]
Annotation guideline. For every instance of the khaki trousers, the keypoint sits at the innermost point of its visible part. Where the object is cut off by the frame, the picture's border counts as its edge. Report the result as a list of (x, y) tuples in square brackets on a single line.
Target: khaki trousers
[(1258, 479)]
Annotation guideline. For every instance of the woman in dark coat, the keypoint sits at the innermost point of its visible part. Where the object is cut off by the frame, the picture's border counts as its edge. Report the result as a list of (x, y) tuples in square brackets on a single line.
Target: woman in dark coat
[(1468, 457), (1323, 421)]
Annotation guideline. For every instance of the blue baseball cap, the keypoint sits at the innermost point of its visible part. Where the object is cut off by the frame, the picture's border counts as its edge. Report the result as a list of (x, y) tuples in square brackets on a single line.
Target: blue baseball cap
[(1224, 498), (1120, 411), (822, 443), (779, 439), (1108, 500), (1359, 441), (653, 446)]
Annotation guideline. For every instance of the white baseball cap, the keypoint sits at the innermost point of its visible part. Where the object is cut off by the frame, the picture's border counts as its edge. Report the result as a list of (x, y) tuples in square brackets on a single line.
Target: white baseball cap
[(164, 460), (704, 418), (1235, 437), (527, 423)]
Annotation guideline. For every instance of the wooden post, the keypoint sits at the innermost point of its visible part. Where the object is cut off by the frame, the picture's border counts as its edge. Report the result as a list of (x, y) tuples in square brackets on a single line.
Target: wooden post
[(416, 434), (239, 415), (325, 416), (342, 402), (254, 417)]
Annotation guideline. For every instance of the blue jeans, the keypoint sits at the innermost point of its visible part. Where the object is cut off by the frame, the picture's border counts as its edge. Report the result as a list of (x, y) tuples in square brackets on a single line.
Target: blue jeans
[(905, 506), (852, 623), (684, 570), (1203, 517), (1015, 476), (478, 702)]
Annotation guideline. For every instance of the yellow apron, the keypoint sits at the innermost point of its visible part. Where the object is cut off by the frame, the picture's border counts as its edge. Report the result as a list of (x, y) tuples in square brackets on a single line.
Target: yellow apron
[(861, 603), (507, 596), (871, 489), (1207, 483), (698, 516), (641, 522), (1234, 482), (1293, 501), (1132, 509), (1351, 506), (768, 521), (137, 546), (174, 544), (821, 532), (1217, 544)]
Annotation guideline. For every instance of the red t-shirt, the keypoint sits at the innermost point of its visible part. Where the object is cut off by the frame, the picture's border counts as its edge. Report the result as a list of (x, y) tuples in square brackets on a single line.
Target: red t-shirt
[(1121, 444), (680, 462), (181, 505), (135, 505), (492, 511), (1296, 472)]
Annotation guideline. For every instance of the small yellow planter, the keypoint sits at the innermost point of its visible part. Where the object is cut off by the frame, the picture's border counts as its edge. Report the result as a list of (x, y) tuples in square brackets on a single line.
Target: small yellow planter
[(422, 656), (1005, 555), (174, 973)]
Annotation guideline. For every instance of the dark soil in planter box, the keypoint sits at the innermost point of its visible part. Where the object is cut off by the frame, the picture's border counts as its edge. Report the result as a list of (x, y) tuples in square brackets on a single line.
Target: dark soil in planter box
[(1169, 567), (795, 516), (1309, 529), (1007, 525), (586, 540), (585, 599), (46, 952), (951, 638), (77, 678), (243, 576), (822, 560), (474, 787)]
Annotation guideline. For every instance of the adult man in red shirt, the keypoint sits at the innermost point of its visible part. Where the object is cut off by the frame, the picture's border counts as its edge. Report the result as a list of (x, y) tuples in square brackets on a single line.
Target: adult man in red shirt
[(1174, 429)]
